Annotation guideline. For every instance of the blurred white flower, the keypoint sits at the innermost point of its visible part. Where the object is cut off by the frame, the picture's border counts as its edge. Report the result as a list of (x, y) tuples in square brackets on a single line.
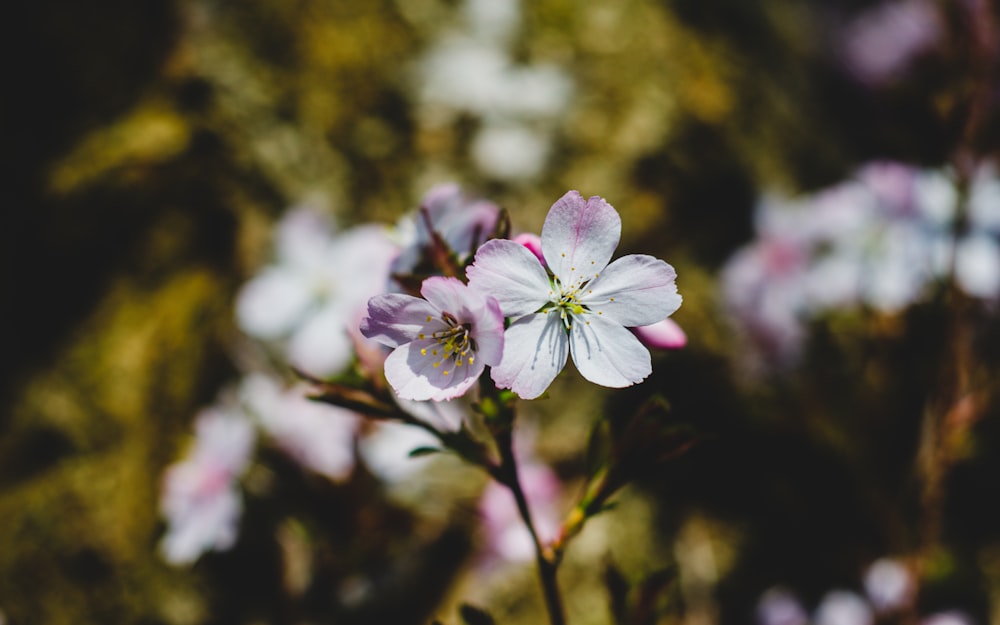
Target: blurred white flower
[(316, 290), (510, 151), (200, 499), (889, 585), (842, 607)]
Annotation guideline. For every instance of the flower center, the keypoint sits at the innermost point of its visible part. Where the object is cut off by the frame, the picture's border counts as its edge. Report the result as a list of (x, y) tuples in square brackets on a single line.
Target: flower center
[(565, 298), (455, 344)]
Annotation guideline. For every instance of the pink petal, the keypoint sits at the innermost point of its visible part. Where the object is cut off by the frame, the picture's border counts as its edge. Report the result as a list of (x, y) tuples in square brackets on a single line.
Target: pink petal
[(535, 351), (510, 273), (533, 242), (606, 353), (579, 237), (635, 290), (664, 334)]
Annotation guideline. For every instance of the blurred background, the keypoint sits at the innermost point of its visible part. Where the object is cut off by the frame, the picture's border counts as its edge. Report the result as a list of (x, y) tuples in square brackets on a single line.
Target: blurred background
[(821, 175)]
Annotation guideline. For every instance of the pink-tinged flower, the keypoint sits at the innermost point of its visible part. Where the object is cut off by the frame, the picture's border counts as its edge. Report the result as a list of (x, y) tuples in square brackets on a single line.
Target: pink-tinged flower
[(882, 42), (442, 342), (583, 308), (201, 500), (320, 437), (664, 334), (533, 242)]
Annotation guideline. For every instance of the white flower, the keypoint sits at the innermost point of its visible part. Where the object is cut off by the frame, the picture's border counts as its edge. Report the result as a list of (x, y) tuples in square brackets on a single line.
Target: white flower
[(584, 308)]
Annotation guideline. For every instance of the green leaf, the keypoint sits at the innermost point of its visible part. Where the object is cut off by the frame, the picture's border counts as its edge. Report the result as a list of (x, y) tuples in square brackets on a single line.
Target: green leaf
[(424, 451), (475, 616)]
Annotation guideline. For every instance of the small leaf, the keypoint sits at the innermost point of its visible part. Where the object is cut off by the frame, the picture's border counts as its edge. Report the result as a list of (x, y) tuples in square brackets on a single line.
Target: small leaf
[(424, 451), (475, 616)]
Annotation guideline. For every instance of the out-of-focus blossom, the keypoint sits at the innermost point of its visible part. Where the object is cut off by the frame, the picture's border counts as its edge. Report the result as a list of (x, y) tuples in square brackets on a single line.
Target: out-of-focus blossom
[(533, 242), (201, 500), (318, 436), (507, 538), (463, 222), (441, 343), (842, 607), (510, 151), (889, 585), (779, 606), (880, 44), (664, 334), (880, 239), (586, 306), (386, 450), (313, 292), (472, 71)]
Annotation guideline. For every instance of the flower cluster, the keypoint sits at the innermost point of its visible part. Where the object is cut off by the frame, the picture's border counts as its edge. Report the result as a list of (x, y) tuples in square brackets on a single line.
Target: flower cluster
[(568, 300), (880, 240)]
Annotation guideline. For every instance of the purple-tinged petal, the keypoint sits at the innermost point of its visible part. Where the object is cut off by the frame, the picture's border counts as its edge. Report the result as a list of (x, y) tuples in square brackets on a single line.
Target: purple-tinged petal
[(488, 332), (635, 290), (664, 334), (535, 351), (606, 353), (579, 236), (411, 371), (395, 318), (510, 273)]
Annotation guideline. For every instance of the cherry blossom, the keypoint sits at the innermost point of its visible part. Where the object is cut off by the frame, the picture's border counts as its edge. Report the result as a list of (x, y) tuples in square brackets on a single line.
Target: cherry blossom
[(442, 342), (201, 499), (583, 307)]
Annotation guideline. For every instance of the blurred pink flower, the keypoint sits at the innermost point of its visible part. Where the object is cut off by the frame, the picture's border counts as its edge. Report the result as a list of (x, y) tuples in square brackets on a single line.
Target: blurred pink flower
[(666, 334), (320, 437), (200, 499), (879, 44)]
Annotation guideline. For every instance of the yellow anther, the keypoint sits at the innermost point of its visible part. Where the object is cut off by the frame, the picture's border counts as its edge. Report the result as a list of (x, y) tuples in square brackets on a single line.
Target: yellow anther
[(423, 351), (420, 336), (436, 365), (445, 372)]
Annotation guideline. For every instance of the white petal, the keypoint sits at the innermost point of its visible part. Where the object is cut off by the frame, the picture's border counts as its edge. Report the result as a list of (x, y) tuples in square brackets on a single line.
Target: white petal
[(977, 265), (269, 305), (322, 346), (579, 236), (535, 351), (606, 353), (635, 290), (510, 273)]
